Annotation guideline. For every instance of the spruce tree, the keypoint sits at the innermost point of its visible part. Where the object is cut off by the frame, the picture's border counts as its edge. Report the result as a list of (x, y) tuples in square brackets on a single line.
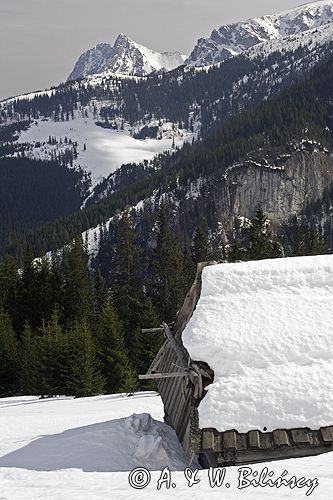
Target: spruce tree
[(44, 298), (28, 368), (235, 253), (8, 357), (130, 383), (259, 240), (189, 268), (126, 277), (84, 376), (56, 282), (168, 279), (28, 292), (299, 249), (9, 287), (111, 350), (53, 357), (200, 246), (262, 243), (77, 285), (317, 242), (101, 294)]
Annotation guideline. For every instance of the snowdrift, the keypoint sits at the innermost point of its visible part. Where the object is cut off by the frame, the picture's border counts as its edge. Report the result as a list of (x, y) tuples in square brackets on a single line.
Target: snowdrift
[(115, 445)]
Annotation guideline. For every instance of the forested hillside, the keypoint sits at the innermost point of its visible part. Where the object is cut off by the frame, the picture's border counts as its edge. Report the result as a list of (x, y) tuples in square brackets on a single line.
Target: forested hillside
[(264, 137), (165, 110), (66, 330), (34, 192)]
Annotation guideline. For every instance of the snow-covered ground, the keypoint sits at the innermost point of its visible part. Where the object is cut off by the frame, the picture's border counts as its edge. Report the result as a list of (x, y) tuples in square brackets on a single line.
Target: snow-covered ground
[(84, 449), (104, 434), (265, 328), (106, 149)]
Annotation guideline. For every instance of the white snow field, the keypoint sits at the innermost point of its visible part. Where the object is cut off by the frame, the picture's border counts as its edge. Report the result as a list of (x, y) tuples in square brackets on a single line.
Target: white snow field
[(92, 434), (106, 149), (84, 449), (265, 328)]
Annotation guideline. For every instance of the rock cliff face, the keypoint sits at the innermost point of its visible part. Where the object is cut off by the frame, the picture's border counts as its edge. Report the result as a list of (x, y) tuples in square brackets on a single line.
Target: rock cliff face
[(283, 189)]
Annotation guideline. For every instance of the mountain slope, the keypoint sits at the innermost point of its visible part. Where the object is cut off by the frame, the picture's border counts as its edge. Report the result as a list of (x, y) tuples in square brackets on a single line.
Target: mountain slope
[(124, 57), (104, 121), (233, 39), (276, 155), (34, 192), (114, 120)]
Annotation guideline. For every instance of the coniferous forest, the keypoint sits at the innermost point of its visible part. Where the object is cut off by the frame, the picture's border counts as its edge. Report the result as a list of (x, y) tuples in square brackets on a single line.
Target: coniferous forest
[(70, 330)]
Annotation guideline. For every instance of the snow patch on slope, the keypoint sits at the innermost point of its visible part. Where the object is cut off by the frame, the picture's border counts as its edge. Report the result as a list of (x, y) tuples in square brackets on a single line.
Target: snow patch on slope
[(265, 329), (100, 150)]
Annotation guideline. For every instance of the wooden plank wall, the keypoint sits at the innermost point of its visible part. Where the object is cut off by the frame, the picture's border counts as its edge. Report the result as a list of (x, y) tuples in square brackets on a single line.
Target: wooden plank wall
[(178, 393)]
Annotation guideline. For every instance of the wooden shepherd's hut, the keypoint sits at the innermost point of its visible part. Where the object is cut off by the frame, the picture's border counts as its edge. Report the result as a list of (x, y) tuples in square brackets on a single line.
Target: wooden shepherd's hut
[(183, 382)]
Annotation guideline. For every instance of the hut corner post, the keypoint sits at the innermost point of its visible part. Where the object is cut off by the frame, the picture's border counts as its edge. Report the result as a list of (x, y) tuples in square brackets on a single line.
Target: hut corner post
[(180, 381)]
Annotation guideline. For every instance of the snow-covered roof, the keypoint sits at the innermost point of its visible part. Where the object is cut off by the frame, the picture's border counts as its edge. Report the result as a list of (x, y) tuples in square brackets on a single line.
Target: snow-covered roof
[(265, 328)]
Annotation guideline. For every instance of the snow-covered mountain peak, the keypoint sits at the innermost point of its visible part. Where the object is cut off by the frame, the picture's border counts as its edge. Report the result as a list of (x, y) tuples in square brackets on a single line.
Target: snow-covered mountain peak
[(124, 57), (122, 40), (302, 18), (233, 39), (122, 36)]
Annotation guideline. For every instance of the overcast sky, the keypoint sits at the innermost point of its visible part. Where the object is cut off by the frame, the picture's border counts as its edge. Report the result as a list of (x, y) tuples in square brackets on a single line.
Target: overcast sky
[(40, 40)]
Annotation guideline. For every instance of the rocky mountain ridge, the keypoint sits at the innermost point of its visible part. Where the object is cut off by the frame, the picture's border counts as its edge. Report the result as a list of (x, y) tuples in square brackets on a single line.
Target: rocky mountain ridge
[(127, 57), (233, 39), (124, 57)]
